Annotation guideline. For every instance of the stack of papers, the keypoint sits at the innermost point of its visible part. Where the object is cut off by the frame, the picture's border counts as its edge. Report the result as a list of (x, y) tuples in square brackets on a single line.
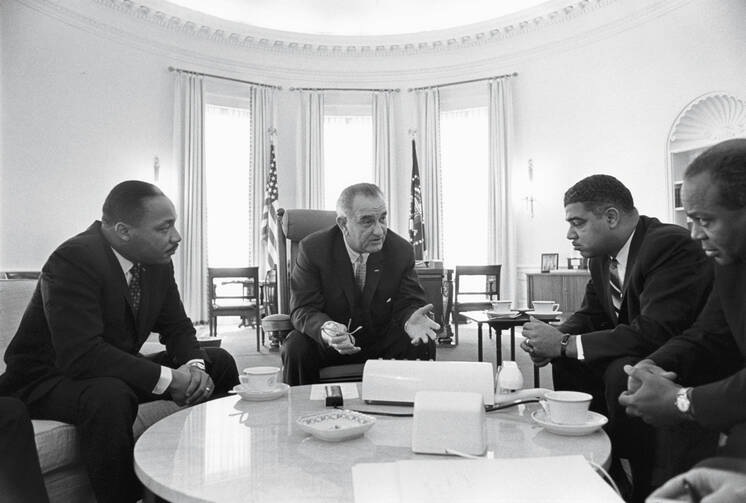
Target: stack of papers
[(556, 479)]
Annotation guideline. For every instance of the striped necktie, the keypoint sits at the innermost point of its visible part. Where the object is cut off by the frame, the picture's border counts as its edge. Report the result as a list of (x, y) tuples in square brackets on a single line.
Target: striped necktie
[(359, 269), (615, 286), (135, 287)]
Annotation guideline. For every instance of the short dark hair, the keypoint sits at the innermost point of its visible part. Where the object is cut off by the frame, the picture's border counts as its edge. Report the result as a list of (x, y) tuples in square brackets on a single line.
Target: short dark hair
[(726, 165), (599, 192), (125, 202), (344, 202)]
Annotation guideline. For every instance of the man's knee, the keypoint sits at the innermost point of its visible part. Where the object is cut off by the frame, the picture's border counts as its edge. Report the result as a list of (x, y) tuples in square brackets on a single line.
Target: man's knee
[(107, 398), (297, 346), (221, 359)]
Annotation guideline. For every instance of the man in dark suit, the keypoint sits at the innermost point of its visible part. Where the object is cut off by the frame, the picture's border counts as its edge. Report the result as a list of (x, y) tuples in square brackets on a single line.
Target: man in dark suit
[(75, 357), (709, 359), (355, 274), (648, 282)]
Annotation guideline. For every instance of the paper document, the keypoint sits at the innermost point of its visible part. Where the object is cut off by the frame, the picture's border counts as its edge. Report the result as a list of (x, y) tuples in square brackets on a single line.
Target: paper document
[(527, 480), (349, 390)]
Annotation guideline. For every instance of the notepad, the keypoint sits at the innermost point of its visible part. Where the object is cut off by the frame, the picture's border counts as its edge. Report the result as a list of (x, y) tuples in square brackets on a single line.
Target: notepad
[(526, 480)]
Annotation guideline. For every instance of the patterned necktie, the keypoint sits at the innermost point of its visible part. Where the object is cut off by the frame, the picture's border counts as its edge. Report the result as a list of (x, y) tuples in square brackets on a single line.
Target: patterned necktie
[(360, 272), (135, 287), (615, 286)]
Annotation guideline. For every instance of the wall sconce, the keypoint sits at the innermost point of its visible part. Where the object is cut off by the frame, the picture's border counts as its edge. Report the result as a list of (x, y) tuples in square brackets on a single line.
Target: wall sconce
[(530, 197), (156, 169)]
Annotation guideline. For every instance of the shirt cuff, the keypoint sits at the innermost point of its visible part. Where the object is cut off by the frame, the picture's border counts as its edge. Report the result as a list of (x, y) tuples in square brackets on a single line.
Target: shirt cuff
[(164, 381), (579, 347)]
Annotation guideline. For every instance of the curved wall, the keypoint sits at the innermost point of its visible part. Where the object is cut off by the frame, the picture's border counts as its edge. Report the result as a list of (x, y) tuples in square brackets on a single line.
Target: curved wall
[(87, 101)]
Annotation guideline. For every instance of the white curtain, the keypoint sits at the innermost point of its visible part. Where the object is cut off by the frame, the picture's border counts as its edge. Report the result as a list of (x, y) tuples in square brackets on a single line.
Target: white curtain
[(428, 156), (263, 128), (383, 144), (189, 156), (501, 233), (311, 174)]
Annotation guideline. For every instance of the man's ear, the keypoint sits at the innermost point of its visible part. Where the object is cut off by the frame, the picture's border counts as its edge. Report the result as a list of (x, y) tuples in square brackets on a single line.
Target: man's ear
[(122, 230), (342, 224), (613, 217)]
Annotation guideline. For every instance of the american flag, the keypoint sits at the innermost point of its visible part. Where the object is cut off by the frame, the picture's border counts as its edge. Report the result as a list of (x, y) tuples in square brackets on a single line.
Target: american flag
[(416, 222), (269, 215)]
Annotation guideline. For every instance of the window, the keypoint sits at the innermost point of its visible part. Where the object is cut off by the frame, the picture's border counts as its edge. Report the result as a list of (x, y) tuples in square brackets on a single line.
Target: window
[(348, 153), (228, 185), (464, 151)]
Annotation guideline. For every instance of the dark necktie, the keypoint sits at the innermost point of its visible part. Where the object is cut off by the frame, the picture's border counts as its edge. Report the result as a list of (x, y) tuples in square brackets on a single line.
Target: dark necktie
[(135, 287), (615, 286), (360, 272)]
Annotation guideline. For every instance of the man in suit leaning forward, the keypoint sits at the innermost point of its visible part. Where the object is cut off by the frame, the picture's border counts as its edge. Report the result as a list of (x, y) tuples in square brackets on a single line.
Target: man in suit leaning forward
[(355, 274), (668, 388), (648, 283), (75, 357)]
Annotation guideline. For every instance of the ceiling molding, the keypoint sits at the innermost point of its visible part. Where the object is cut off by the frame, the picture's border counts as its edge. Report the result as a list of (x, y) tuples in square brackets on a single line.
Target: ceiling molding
[(239, 35)]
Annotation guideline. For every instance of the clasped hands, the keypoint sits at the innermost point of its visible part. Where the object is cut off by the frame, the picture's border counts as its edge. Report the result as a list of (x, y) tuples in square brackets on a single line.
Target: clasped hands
[(651, 394), (541, 341), (190, 385)]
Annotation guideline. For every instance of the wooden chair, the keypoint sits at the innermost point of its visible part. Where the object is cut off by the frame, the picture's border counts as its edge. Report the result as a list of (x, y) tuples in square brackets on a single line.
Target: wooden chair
[(292, 226), (474, 299), (234, 291)]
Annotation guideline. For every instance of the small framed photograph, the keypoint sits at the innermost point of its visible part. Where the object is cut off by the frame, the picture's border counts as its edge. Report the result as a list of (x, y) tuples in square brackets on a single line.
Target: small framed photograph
[(549, 262)]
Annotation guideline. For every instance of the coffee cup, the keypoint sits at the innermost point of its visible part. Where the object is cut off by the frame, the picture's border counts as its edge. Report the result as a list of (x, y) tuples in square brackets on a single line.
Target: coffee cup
[(501, 306), (545, 306), (566, 407), (259, 378)]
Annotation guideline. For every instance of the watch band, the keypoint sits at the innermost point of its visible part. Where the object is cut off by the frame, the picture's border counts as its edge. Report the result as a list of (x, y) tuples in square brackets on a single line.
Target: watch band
[(563, 345), (199, 365)]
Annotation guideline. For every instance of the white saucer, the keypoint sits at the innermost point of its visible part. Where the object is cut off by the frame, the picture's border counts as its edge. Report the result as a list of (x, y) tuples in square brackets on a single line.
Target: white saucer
[(544, 316), (336, 425), (279, 390), (511, 314), (593, 423)]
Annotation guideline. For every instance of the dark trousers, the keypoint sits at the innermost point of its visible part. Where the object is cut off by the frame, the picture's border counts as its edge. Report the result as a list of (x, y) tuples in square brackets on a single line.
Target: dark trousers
[(103, 409), (20, 474), (303, 357), (654, 454)]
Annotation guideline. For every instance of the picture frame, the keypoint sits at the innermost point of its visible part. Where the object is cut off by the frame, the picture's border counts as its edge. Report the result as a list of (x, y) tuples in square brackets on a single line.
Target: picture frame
[(549, 262)]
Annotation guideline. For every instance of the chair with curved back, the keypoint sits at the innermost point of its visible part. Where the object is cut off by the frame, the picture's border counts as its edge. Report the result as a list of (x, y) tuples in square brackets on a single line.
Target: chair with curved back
[(292, 226), (474, 298)]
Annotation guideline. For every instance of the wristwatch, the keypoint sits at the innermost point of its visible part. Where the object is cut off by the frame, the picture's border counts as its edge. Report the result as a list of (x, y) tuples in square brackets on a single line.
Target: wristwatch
[(563, 345), (199, 365), (684, 403)]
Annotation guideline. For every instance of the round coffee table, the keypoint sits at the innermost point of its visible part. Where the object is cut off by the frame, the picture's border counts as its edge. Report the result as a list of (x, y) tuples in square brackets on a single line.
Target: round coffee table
[(232, 450)]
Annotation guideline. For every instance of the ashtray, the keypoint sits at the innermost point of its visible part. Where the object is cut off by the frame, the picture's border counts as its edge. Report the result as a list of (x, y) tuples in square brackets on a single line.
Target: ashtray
[(336, 425)]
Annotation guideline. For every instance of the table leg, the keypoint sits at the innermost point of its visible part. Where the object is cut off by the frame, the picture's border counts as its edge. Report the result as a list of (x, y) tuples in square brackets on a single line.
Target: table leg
[(536, 376), (479, 341), (512, 343), (498, 347)]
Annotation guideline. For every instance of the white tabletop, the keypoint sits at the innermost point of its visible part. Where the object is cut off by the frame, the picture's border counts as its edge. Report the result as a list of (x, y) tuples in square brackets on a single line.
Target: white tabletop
[(232, 450)]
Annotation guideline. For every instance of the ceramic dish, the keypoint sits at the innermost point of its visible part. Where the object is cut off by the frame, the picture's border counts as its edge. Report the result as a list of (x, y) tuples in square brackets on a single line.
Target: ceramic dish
[(279, 390), (594, 422), (336, 425), (544, 316)]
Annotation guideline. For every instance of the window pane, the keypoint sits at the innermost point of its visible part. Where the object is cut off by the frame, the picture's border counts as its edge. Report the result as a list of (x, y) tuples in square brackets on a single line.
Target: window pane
[(348, 154), (464, 157), (228, 179)]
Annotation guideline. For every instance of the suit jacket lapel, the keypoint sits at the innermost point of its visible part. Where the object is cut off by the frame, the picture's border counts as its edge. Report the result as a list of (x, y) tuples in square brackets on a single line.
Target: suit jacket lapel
[(634, 249)]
